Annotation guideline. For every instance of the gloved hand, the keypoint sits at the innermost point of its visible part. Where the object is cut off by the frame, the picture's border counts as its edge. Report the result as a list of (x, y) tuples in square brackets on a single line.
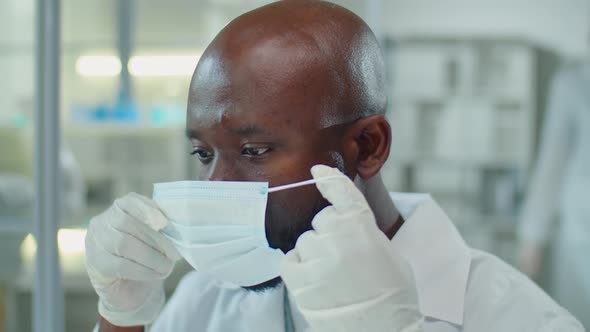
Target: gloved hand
[(342, 275), (127, 260)]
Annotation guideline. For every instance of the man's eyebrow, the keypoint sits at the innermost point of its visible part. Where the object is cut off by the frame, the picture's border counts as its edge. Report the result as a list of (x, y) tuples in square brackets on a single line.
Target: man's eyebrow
[(190, 133), (251, 130)]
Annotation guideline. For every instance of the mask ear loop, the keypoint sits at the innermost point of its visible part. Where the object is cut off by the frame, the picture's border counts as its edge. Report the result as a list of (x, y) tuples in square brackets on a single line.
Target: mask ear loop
[(302, 183)]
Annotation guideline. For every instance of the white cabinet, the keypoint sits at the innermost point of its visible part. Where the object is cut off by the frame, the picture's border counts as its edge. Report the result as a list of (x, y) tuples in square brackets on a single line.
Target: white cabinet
[(464, 116)]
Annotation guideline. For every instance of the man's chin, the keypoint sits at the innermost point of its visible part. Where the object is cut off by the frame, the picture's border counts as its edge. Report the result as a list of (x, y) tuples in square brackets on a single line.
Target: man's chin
[(265, 286)]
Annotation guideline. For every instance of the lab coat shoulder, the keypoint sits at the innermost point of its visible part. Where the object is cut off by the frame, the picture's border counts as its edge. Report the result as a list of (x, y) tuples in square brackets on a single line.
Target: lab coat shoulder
[(500, 298)]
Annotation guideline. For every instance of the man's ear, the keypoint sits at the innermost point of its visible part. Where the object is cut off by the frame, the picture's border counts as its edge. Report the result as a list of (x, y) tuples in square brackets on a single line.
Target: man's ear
[(372, 137)]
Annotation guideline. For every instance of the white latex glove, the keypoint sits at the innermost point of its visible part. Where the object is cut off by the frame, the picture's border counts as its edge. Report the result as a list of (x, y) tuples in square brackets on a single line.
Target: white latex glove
[(529, 259), (127, 260), (343, 275)]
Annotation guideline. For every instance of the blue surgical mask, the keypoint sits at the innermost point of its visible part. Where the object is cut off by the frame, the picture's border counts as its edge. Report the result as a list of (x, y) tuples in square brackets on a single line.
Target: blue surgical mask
[(219, 227)]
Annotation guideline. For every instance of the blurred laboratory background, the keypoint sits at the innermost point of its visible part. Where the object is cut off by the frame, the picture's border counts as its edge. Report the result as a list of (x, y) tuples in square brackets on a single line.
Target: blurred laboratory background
[(479, 91)]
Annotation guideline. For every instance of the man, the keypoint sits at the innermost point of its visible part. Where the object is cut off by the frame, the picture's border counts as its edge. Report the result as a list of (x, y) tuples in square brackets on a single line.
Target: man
[(283, 88)]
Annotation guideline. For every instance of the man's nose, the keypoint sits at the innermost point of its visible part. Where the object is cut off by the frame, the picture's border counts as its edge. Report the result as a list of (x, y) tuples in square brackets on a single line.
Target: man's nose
[(224, 171)]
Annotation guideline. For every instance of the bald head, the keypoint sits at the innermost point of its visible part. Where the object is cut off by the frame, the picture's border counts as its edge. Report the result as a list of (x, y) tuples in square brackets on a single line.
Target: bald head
[(303, 50)]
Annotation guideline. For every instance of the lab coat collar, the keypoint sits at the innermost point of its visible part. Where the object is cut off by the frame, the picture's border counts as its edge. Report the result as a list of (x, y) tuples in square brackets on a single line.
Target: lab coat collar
[(439, 257)]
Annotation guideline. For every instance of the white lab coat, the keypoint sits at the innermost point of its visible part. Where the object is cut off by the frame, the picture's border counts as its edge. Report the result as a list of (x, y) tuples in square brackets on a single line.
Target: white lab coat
[(459, 289), (561, 183)]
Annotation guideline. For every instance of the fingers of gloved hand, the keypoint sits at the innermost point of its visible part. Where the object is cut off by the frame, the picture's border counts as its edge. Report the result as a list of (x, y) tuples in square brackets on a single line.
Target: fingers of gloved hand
[(340, 191), (142, 209), (126, 223), (127, 296), (346, 239), (314, 258), (329, 220), (310, 246), (350, 242), (131, 303), (148, 220), (106, 265), (127, 246), (297, 274), (316, 296)]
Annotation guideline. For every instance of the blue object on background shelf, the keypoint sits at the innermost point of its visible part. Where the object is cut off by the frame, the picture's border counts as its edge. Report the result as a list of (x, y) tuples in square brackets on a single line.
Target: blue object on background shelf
[(18, 120), (166, 115), (125, 111)]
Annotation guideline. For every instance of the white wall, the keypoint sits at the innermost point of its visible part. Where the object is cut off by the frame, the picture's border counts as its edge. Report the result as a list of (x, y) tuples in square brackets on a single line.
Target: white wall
[(16, 19), (16, 56), (563, 25)]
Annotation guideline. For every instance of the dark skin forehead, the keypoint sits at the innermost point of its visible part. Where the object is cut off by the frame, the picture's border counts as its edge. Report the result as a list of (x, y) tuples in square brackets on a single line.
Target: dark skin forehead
[(298, 62)]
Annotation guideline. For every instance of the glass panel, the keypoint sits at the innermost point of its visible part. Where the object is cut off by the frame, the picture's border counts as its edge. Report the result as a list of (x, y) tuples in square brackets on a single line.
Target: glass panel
[(89, 82), (16, 164)]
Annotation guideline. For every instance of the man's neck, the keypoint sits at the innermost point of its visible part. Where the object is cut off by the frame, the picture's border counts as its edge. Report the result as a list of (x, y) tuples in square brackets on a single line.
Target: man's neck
[(388, 217)]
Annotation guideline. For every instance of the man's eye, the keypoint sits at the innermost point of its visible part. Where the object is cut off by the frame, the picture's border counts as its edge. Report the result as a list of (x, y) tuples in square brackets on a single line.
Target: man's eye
[(203, 155), (254, 152)]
